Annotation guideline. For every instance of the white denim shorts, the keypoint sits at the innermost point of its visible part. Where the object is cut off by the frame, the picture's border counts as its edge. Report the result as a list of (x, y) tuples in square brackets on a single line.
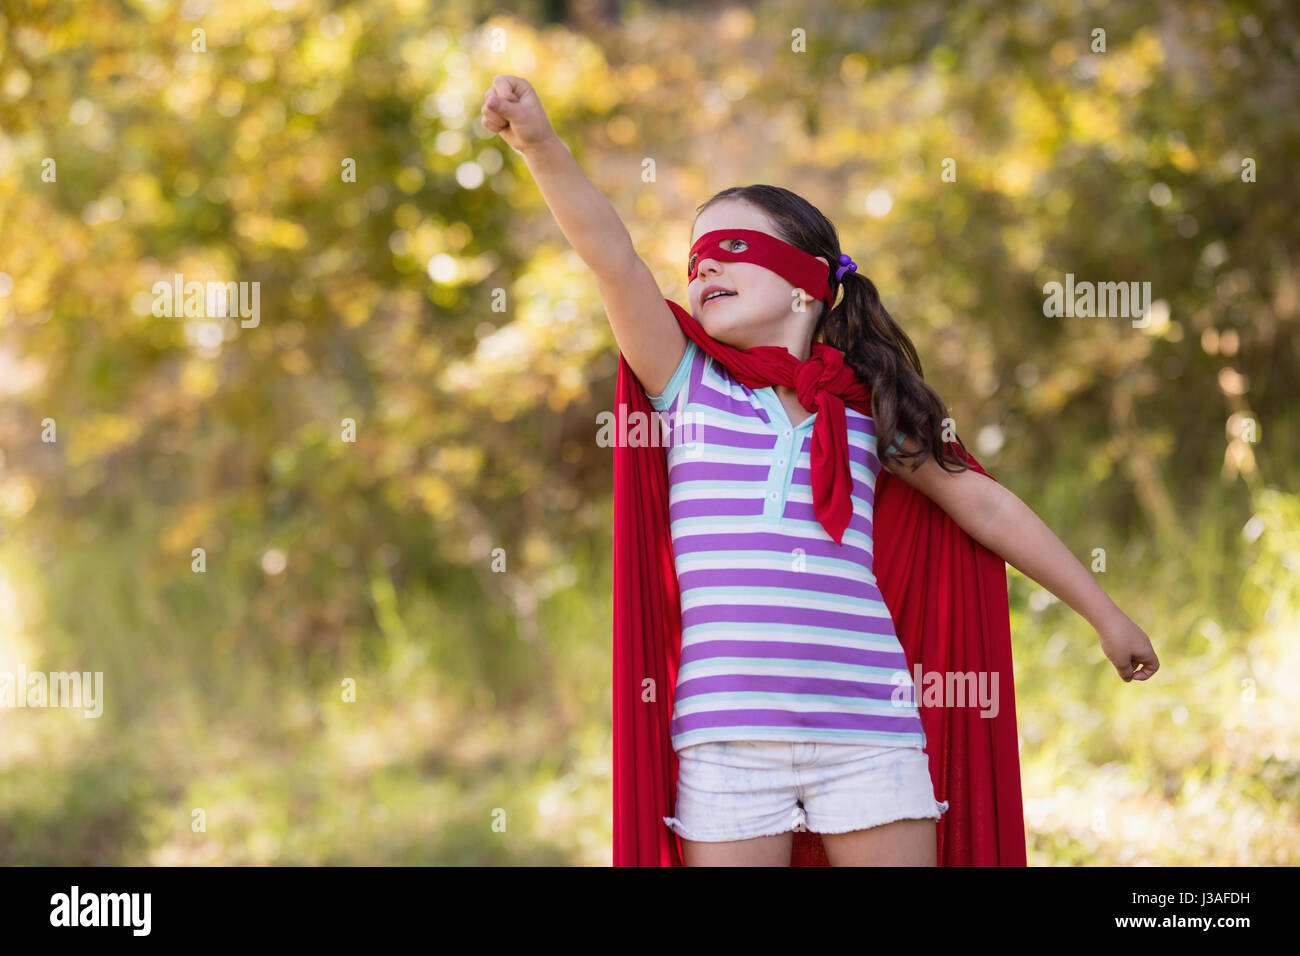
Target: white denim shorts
[(740, 789)]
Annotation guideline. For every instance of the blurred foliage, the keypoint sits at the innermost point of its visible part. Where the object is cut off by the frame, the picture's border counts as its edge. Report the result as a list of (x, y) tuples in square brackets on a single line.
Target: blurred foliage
[(481, 690)]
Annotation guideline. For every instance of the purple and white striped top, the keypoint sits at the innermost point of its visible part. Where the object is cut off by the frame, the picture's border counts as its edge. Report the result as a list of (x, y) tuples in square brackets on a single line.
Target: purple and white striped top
[(785, 635)]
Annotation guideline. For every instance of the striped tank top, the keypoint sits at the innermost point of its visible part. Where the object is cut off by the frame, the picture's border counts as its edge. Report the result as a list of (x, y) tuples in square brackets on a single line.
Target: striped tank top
[(785, 635)]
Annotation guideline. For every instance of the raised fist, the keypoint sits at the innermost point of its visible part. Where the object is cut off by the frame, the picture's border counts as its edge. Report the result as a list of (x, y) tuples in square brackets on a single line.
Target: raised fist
[(512, 109)]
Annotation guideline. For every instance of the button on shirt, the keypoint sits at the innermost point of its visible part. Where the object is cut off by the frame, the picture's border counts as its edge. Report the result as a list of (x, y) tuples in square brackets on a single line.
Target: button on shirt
[(785, 635)]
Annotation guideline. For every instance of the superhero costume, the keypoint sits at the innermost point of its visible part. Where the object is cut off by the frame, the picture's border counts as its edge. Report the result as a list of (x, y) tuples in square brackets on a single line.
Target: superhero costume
[(946, 594)]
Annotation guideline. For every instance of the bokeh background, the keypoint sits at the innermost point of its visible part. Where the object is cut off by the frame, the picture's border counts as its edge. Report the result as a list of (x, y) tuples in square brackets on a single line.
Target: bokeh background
[(434, 303)]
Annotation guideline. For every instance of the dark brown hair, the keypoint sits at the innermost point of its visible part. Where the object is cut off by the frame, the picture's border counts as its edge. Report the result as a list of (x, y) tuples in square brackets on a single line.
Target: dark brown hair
[(873, 344)]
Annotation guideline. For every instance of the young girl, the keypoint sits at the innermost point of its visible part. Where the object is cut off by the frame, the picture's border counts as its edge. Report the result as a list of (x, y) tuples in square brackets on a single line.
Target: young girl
[(786, 709)]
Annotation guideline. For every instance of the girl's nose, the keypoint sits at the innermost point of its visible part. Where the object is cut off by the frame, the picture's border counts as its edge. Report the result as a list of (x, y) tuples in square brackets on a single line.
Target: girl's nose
[(706, 265)]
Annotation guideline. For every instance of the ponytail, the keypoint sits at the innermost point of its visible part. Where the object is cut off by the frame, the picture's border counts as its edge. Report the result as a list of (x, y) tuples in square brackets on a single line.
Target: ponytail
[(884, 358)]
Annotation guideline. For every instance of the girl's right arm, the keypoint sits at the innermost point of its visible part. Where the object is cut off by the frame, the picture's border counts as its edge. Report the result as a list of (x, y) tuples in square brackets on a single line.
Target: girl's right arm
[(644, 327)]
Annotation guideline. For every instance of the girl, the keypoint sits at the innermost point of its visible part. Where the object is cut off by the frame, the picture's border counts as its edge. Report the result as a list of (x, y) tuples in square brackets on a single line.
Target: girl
[(779, 718)]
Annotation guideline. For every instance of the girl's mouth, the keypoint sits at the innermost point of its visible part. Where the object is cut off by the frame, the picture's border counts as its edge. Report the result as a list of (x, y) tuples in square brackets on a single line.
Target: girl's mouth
[(723, 295)]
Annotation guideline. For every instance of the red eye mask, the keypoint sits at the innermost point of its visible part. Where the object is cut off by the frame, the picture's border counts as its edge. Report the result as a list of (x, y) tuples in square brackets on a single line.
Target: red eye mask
[(792, 264)]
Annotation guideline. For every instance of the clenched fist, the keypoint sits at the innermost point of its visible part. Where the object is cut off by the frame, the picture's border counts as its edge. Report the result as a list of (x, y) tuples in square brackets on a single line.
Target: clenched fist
[(512, 109)]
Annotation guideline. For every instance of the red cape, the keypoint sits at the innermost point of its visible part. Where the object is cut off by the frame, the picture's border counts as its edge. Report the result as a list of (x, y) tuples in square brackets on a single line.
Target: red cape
[(947, 594)]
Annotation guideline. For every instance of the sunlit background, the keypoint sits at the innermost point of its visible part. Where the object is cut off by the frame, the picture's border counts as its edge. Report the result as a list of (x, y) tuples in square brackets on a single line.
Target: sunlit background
[(415, 407)]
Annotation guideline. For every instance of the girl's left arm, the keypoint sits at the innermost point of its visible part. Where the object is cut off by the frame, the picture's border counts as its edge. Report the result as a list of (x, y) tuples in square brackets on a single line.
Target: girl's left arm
[(997, 519)]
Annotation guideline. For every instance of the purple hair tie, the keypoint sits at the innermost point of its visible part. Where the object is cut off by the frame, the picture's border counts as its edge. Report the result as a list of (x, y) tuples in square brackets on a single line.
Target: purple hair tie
[(846, 265)]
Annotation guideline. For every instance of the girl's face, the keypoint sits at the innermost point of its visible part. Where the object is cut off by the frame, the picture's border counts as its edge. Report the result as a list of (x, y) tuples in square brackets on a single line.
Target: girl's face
[(761, 310)]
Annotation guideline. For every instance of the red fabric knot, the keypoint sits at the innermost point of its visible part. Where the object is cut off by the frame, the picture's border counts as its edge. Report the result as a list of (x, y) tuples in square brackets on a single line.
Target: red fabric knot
[(816, 373), (820, 383)]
